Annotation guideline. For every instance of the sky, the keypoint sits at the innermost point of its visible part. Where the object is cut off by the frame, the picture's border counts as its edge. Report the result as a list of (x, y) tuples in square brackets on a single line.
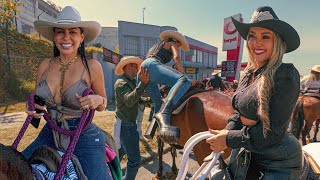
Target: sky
[(203, 20)]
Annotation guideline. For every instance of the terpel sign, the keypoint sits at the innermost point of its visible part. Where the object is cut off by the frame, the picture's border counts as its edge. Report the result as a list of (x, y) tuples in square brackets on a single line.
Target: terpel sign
[(230, 34)]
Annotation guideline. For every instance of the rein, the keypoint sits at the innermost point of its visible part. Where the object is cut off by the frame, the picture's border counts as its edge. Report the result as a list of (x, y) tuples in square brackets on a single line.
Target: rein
[(85, 121)]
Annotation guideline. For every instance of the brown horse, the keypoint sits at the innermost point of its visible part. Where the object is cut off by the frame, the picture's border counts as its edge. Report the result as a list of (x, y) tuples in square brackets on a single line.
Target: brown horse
[(202, 111), (306, 112)]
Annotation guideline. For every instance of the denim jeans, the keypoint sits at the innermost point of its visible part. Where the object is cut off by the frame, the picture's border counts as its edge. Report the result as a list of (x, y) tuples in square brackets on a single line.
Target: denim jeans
[(90, 149), (130, 145), (162, 74)]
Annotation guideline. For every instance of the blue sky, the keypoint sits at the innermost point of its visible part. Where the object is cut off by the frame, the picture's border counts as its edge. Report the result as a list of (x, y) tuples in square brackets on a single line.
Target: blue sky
[(203, 19)]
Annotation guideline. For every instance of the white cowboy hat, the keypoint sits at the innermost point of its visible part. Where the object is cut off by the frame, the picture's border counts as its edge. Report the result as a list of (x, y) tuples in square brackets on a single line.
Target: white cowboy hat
[(69, 17), (315, 68), (127, 60), (177, 36), (215, 72)]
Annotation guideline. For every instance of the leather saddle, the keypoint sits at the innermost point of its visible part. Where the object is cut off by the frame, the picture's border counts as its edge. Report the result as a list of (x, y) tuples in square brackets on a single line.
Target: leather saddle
[(47, 155), (313, 90)]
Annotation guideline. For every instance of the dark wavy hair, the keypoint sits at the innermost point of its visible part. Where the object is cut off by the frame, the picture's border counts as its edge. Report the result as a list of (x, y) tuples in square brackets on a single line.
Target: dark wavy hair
[(81, 51), (13, 165)]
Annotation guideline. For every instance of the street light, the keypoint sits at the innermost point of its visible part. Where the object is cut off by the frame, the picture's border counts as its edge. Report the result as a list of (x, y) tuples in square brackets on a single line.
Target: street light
[(39, 19), (143, 9)]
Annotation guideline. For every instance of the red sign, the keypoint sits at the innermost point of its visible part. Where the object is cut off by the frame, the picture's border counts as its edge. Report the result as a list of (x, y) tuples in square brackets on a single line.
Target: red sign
[(111, 56)]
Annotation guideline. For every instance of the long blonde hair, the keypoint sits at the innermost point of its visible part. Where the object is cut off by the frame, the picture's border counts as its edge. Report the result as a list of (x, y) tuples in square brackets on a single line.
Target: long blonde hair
[(265, 82)]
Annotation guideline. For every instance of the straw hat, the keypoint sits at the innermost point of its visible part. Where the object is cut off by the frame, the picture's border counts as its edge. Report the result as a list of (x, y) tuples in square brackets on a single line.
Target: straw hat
[(177, 36), (215, 72), (127, 60), (69, 17), (265, 17), (315, 68)]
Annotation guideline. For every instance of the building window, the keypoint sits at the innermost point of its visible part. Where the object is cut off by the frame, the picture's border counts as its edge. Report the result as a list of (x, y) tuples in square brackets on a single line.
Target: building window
[(199, 56), (205, 58), (131, 45), (194, 55), (210, 60), (26, 29), (147, 44)]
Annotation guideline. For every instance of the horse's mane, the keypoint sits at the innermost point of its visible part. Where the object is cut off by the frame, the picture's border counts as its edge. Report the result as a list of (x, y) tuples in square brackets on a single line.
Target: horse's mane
[(13, 165)]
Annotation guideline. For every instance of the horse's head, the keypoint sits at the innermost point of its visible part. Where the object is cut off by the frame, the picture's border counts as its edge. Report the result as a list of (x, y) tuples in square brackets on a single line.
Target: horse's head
[(13, 165)]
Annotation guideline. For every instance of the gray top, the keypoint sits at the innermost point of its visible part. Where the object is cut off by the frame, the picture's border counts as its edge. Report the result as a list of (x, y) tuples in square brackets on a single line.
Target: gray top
[(69, 105)]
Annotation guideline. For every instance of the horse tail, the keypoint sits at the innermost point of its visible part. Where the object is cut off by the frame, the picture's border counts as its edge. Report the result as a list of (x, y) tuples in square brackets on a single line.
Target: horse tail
[(297, 119)]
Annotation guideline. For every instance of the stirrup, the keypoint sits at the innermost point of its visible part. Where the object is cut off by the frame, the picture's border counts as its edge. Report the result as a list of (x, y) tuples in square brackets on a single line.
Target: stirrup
[(206, 167)]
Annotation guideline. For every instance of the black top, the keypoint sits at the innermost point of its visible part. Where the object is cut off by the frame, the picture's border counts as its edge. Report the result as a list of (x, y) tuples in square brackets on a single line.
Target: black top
[(215, 81), (245, 102), (159, 52)]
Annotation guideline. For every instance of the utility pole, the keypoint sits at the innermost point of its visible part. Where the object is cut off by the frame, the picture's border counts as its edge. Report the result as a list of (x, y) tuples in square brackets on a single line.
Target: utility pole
[(143, 9), (39, 19)]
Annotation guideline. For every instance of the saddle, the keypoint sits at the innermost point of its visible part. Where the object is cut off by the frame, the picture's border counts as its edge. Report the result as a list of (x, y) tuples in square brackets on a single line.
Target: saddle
[(47, 155), (313, 90)]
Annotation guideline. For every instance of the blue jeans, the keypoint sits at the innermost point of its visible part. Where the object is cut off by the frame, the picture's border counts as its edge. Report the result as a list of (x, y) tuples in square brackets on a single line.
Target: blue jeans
[(90, 149), (162, 74), (130, 145)]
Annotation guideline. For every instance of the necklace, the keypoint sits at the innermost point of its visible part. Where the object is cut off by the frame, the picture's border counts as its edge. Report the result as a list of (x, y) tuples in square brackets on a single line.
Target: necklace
[(63, 69)]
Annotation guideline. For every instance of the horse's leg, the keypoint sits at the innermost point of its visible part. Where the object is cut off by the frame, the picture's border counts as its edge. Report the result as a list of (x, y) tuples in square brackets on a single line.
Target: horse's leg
[(160, 154), (305, 132), (174, 155), (316, 129)]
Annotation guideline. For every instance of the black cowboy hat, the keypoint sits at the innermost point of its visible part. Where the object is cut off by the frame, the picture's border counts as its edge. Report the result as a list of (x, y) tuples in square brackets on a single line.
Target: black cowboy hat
[(265, 17)]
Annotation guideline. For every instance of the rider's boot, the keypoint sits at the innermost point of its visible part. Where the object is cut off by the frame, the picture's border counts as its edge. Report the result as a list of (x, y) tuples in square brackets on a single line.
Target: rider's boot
[(166, 132)]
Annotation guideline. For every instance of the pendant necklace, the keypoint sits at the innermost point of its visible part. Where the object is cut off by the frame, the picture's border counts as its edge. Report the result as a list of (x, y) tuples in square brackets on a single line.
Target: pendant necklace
[(63, 69)]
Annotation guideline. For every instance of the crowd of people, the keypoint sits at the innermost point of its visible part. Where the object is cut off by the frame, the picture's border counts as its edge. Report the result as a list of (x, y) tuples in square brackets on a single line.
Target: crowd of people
[(263, 99)]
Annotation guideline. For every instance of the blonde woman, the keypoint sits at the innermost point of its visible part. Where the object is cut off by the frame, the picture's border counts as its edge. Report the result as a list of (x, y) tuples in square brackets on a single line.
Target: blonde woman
[(264, 102)]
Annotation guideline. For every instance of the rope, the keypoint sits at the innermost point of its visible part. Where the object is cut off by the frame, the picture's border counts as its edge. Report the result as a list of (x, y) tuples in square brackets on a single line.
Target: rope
[(85, 121)]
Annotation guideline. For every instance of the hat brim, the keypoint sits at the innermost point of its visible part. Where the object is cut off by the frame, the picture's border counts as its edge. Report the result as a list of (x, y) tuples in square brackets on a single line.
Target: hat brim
[(178, 36), (119, 68), (288, 34), (215, 73), (91, 29), (314, 69)]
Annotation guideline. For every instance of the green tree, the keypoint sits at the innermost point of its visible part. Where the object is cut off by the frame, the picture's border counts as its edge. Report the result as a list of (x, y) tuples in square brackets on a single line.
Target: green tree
[(8, 12)]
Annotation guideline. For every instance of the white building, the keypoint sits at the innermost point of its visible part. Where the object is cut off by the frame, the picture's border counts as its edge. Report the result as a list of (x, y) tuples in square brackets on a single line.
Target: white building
[(35, 10)]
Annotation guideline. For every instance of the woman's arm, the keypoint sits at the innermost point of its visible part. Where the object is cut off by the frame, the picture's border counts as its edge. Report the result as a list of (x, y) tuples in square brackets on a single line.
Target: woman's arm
[(99, 100)]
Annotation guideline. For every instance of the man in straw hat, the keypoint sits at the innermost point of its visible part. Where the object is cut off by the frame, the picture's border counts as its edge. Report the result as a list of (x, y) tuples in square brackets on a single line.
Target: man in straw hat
[(216, 82), (312, 80), (157, 56), (263, 103), (61, 82), (128, 96)]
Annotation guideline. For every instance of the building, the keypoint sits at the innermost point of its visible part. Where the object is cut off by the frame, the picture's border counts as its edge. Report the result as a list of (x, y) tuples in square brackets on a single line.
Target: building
[(135, 39), (35, 10)]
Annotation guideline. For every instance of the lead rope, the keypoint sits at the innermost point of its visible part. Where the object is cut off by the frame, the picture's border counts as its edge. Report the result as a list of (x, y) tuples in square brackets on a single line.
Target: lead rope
[(85, 121)]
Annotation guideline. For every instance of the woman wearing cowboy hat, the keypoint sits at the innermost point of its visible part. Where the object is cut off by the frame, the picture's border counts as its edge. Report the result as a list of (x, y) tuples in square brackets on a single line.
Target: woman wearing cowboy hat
[(61, 80), (157, 56), (312, 79), (264, 101)]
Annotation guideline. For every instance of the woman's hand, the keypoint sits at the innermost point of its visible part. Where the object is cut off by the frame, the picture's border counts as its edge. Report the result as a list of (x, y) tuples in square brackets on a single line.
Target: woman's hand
[(90, 101), (218, 142), (33, 113)]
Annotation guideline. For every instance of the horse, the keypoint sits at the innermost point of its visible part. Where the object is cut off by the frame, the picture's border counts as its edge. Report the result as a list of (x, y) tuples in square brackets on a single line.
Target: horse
[(306, 112), (203, 110), (13, 165)]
